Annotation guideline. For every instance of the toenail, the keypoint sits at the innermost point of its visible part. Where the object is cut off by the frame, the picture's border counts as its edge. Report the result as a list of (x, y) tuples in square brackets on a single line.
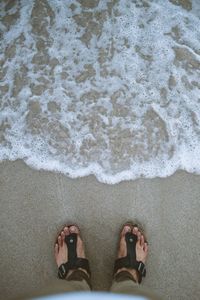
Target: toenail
[(127, 228)]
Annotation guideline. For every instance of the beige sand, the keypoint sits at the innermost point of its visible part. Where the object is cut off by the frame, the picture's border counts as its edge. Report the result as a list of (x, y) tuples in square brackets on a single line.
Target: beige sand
[(34, 204)]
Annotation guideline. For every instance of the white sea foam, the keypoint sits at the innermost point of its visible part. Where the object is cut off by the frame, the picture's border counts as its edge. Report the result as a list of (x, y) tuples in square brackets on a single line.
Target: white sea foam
[(109, 88)]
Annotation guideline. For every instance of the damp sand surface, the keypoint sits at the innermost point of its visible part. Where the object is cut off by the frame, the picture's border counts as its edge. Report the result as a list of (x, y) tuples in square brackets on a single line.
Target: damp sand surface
[(36, 204)]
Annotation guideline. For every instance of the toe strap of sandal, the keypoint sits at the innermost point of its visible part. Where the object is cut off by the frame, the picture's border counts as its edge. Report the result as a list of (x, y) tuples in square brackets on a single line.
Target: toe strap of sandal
[(74, 262), (130, 261)]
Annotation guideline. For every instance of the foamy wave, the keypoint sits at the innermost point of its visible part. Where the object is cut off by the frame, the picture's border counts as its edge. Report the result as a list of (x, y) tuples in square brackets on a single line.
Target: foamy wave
[(99, 87)]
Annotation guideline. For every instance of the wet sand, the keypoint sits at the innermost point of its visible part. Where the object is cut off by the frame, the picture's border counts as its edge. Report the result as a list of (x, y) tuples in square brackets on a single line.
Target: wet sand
[(35, 204)]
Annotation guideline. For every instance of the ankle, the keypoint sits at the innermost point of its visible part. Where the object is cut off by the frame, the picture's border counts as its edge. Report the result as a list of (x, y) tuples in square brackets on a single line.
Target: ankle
[(134, 274), (122, 274), (75, 270), (79, 275)]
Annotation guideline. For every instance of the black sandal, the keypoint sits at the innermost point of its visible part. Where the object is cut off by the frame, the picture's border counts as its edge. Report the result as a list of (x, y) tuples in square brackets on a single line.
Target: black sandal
[(130, 261), (73, 262)]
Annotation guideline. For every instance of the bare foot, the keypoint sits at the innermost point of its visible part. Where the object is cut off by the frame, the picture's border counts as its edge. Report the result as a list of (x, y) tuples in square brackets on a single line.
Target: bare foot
[(61, 251), (141, 248)]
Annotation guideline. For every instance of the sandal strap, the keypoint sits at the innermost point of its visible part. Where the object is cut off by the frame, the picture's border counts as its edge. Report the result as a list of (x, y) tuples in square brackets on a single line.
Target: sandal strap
[(130, 261), (82, 263), (74, 262)]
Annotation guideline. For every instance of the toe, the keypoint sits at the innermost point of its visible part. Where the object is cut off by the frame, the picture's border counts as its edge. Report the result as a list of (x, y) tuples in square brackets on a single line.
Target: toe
[(74, 229), (135, 230), (56, 250), (66, 230), (142, 241), (139, 237), (125, 229), (145, 247), (62, 237), (59, 241)]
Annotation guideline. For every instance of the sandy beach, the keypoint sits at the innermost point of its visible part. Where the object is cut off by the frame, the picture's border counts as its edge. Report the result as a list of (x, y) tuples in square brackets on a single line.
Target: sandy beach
[(35, 204), (107, 88)]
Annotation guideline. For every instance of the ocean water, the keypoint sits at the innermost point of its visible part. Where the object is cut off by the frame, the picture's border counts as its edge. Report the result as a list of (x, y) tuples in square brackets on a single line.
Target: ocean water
[(103, 87)]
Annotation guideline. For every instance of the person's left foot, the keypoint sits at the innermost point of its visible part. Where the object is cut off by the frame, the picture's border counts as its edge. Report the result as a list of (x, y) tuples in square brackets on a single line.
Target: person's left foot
[(61, 251), (141, 248)]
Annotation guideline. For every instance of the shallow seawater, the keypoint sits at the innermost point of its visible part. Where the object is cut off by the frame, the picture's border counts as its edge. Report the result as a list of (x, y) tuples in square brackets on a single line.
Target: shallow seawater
[(110, 88)]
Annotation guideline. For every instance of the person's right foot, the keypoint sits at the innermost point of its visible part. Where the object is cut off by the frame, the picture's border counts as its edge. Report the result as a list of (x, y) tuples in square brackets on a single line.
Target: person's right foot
[(61, 251), (141, 248)]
